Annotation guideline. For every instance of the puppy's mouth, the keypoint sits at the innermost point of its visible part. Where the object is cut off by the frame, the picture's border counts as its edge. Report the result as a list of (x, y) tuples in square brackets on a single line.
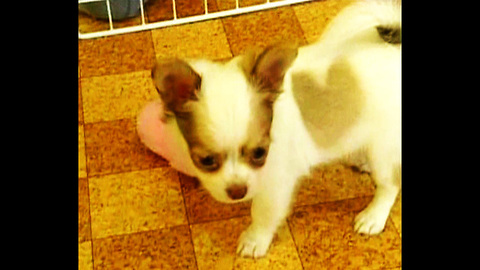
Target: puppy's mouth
[(232, 201)]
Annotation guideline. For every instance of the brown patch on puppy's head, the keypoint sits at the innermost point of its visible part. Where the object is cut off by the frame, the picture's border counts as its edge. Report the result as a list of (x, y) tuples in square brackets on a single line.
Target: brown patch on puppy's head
[(267, 67), (179, 86), (266, 70), (177, 83)]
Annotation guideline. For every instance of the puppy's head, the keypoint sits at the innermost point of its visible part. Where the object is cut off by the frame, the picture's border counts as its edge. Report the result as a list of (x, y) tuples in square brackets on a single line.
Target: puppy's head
[(224, 111)]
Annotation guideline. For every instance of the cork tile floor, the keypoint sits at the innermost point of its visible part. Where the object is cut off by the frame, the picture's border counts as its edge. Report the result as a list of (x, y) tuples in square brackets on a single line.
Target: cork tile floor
[(136, 212)]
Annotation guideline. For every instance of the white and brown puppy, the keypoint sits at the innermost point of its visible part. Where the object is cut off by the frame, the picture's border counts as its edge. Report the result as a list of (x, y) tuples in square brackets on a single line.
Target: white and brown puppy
[(255, 125)]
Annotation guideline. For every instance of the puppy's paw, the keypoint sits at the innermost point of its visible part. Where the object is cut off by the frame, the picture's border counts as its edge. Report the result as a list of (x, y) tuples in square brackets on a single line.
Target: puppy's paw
[(253, 244), (370, 221)]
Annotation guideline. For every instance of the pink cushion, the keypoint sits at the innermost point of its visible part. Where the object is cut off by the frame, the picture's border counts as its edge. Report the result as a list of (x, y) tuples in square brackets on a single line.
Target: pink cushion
[(164, 139)]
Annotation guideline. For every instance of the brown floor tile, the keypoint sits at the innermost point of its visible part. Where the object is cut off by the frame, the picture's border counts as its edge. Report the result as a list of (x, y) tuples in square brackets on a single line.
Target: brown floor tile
[(244, 3), (315, 16), (216, 243), (262, 29), (159, 10), (114, 97), (128, 22), (135, 201), (202, 207), (187, 8), (116, 54), (325, 238), (197, 40), (162, 10), (225, 4), (85, 256), (332, 183), (82, 164), (169, 248), (230, 4), (247, 3), (114, 146), (84, 233), (88, 24)]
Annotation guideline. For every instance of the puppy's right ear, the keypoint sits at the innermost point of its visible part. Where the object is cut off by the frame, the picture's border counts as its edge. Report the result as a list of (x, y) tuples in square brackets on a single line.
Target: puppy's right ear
[(267, 67), (177, 83)]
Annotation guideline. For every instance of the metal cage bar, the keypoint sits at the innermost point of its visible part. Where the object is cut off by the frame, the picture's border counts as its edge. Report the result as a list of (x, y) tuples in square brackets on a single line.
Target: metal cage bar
[(109, 11), (174, 10), (177, 21)]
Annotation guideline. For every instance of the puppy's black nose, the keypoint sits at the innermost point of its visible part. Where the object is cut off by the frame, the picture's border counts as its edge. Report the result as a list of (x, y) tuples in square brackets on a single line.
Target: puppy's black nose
[(237, 192)]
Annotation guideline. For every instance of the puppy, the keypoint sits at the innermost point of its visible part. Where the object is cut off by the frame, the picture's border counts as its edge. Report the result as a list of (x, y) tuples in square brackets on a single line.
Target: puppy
[(253, 126)]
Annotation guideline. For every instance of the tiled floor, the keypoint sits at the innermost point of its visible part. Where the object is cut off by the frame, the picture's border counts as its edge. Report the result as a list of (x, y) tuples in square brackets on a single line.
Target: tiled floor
[(135, 212)]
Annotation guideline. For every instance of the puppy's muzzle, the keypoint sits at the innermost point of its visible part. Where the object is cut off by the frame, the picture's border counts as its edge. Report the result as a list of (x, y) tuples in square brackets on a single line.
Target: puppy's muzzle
[(237, 192)]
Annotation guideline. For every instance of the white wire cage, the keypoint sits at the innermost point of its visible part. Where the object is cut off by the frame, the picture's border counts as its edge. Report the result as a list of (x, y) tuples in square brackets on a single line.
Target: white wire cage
[(142, 21)]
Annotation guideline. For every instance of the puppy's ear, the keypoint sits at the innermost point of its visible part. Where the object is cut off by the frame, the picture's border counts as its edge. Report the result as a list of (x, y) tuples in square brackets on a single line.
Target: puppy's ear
[(271, 65), (177, 83)]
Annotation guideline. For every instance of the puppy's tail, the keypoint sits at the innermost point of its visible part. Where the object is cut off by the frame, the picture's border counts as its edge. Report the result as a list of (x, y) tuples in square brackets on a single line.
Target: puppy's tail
[(370, 20)]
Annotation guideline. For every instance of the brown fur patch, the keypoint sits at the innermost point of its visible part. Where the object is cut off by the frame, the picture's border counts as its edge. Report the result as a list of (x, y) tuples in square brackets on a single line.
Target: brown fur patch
[(265, 70), (178, 86), (176, 83), (328, 111), (200, 145), (258, 130)]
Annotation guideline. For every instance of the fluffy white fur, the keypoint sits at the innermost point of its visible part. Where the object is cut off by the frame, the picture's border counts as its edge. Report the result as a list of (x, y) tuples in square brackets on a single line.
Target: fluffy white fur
[(226, 96), (377, 67)]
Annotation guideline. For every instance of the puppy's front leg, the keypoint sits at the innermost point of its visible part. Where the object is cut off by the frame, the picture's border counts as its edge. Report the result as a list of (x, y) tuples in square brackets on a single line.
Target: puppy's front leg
[(269, 209)]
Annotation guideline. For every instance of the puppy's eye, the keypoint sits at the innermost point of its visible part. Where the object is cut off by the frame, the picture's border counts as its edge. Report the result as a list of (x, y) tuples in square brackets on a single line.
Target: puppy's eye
[(259, 153), (208, 161), (258, 156)]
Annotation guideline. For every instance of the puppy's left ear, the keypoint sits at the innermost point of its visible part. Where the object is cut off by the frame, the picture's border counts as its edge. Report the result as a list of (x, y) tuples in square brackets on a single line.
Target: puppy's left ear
[(177, 83), (272, 64)]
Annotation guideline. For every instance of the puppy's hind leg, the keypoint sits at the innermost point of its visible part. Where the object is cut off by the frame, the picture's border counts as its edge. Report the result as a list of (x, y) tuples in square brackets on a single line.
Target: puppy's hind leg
[(372, 219)]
